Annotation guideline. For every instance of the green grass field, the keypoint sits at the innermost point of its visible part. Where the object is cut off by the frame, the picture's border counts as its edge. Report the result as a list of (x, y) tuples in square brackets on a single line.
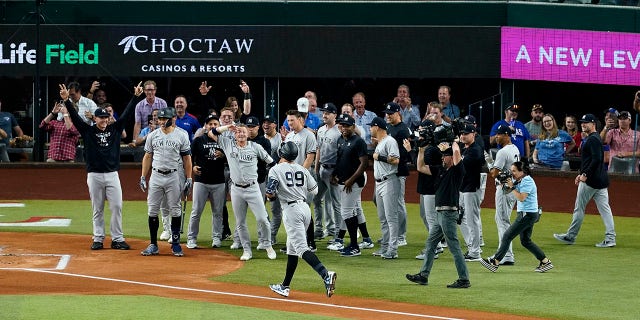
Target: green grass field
[(587, 282)]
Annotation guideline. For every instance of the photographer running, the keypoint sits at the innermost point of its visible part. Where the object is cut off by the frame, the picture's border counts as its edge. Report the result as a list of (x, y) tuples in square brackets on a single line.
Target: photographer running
[(526, 192), (505, 200)]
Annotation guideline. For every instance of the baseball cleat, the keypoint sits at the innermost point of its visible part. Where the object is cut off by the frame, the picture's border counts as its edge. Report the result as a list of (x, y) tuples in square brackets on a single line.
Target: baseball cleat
[(563, 238), (459, 284), (280, 289), (246, 256), (271, 253), (192, 244), (120, 245), (606, 244), (235, 245), (177, 250), (165, 235), (330, 283), (151, 250), (216, 243), (96, 245), (417, 278), (366, 243)]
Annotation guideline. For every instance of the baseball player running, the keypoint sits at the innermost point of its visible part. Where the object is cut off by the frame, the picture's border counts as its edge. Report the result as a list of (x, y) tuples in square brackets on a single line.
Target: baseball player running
[(292, 182), (102, 154), (164, 149), (208, 167), (242, 157)]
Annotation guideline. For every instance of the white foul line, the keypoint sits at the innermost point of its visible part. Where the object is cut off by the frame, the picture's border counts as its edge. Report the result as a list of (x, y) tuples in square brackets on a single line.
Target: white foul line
[(242, 295)]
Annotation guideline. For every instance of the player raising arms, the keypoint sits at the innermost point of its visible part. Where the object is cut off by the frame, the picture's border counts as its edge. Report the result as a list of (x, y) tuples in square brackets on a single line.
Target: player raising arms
[(102, 154), (292, 182)]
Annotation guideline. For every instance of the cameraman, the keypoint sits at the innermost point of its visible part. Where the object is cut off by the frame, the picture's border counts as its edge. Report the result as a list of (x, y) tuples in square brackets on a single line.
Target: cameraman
[(525, 191), (448, 183), (473, 160), (505, 200)]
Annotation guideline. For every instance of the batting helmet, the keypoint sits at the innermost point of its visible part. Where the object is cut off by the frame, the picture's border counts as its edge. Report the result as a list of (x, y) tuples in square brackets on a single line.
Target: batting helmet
[(288, 151)]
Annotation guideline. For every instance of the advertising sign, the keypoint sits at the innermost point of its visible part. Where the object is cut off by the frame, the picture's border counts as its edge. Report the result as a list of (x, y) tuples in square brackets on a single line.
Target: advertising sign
[(570, 56), (284, 51)]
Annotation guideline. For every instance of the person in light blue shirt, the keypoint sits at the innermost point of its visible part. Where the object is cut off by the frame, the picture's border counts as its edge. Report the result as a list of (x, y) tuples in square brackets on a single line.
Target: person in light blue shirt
[(526, 193), (363, 117), (550, 146)]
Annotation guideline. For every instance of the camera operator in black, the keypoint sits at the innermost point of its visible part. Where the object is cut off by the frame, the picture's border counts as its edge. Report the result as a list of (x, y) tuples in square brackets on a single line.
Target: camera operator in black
[(426, 187), (399, 131), (448, 183), (473, 161)]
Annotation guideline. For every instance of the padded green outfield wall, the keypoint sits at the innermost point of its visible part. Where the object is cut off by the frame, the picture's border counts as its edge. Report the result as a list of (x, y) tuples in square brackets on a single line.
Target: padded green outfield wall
[(476, 13)]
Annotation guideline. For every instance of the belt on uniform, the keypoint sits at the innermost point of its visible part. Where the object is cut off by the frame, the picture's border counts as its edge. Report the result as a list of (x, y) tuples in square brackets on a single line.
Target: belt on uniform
[(165, 171), (525, 212), (382, 179), (446, 208), (244, 186), (295, 201), (328, 166)]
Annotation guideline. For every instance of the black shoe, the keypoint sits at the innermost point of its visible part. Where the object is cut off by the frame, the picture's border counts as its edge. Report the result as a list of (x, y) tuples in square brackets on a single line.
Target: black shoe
[(119, 245), (96, 246), (417, 278), (460, 284)]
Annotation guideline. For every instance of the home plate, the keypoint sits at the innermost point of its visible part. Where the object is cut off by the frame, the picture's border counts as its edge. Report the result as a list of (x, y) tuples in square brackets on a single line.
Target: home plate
[(39, 222), (11, 205)]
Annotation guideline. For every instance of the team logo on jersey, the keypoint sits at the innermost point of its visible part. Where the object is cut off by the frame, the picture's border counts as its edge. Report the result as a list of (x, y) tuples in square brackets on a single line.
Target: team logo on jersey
[(103, 138)]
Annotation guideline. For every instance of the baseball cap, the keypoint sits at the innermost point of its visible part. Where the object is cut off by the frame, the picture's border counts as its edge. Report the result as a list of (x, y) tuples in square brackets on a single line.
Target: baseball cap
[(513, 107), (166, 113), (211, 117), (101, 113), (624, 115), (612, 111), (270, 119), (470, 119), (469, 128), (252, 121), (379, 122), (303, 104), (448, 152), (588, 118), (503, 129), (392, 107), (329, 107), (537, 106), (346, 119), (427, 123)]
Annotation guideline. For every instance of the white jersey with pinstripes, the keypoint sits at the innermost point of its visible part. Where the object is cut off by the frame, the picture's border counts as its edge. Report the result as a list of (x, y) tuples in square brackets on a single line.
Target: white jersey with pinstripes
[(294, 181), (328, 144), (305, 140), (167, 147), (243, 161), (387, 147)]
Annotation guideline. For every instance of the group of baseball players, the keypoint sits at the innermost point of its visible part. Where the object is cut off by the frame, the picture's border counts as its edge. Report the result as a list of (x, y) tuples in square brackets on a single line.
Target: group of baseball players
[(294, 168)]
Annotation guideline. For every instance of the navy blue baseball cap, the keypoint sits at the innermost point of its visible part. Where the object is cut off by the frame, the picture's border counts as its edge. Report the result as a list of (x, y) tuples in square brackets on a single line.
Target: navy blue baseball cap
[(345, 119), (252, 121), (101, 113), (588, 118), (470, 119), (211, 117), (392, 107), (469, 128), (269, 119), (378, 122), (329, 107), (504, 129)]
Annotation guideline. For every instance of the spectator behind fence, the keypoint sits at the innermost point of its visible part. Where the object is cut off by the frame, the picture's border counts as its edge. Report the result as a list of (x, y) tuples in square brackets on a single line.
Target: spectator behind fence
[(535, 126), (549, 150), (63, 135), (571, 127), (144, 107), (8, 124), (623, 141), (449, 110), (85, 106)]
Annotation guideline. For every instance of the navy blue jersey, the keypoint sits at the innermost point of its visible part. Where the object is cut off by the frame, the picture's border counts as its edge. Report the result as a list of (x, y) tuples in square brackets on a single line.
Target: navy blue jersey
[(203, 155), (348, 160)]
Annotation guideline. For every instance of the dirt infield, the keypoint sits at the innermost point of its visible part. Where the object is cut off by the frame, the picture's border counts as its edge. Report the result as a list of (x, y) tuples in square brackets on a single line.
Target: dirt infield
[(120, 272)]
